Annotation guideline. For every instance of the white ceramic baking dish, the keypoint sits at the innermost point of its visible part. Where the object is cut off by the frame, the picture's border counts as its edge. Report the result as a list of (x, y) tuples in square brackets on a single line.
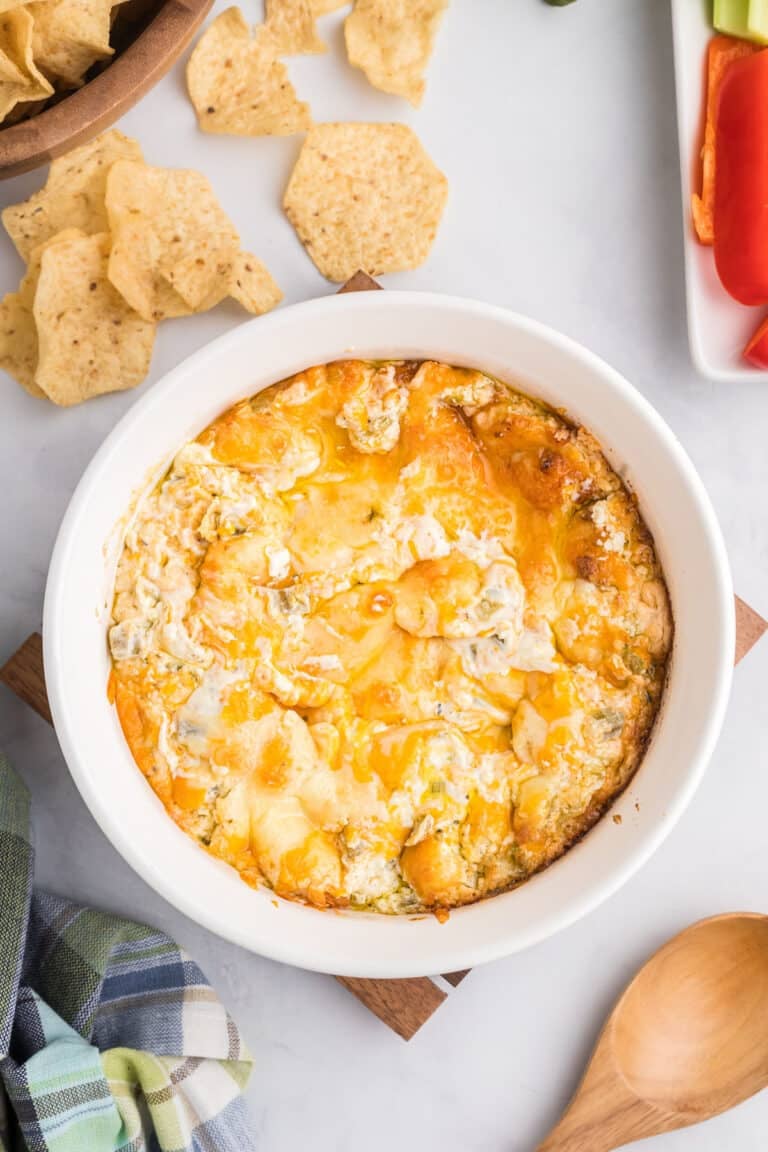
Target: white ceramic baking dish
[(387, 324)]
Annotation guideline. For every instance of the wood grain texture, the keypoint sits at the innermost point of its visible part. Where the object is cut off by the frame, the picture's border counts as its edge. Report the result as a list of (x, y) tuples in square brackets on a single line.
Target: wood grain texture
[(455, 978), (604, 1113), (360, 282), (404, 1005), (94, 107), (24, 675), (687, 1040), (749, 628)]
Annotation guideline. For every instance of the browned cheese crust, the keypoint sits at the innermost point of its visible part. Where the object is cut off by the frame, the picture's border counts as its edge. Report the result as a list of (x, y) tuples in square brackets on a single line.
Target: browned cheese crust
[(389, 635)]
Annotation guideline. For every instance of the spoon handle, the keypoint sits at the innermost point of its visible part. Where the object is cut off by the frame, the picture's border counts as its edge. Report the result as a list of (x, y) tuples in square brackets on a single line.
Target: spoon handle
[(604, 1114)]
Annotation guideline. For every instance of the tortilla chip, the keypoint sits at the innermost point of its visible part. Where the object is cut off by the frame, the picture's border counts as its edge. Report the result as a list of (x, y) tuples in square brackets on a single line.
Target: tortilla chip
[(18, 331), (391, 40), (70, 36), (65, 62), (323, 7), (18, 334), (168, 230), (16, 35), (365, 196), (174, 249), (10, 95), (73, 195), (10, 71), (251, 284), (292, 23), (136, 281), (20, 79), (18, 342), (90, 341), (238, 86), (23, 110)]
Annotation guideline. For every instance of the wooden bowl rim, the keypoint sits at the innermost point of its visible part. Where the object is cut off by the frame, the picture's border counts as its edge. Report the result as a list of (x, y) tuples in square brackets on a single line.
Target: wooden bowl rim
[(101, 101)]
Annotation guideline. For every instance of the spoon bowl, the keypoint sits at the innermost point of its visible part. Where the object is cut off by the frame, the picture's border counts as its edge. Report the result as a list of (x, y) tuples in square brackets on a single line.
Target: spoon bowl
[(687, 1040), (692, 1030)]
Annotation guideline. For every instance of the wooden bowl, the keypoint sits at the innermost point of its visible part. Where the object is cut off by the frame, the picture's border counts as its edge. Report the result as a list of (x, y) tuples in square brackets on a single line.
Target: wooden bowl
[(82, 114)]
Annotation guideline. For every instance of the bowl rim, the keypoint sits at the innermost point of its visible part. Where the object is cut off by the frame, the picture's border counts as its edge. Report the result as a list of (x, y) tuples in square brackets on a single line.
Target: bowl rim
[(472, 951), (85, 112)]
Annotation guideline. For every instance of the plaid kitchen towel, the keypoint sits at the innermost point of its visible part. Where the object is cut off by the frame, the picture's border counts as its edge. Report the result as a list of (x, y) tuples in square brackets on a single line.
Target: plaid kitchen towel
[(110, 1036)]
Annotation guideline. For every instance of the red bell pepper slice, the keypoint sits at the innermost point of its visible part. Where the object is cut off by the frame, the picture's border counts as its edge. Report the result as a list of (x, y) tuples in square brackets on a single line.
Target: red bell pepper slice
[(721, 52), (756, 351), (741, 188)]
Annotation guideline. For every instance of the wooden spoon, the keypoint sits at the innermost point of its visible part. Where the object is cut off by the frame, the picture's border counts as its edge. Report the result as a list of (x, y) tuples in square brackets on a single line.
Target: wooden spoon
[(686, 1041)]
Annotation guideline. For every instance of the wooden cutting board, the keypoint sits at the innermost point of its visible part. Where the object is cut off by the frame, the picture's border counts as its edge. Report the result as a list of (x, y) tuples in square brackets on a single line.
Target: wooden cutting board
[(404, 1005)]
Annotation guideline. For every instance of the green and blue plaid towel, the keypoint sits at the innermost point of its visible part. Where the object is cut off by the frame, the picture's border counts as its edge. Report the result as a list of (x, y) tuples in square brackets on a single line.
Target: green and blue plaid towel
[(110, 1036)]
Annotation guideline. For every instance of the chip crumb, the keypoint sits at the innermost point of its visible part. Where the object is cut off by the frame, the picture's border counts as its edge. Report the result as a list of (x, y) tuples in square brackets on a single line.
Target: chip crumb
[(365, 196), (392, 41), (237, 84), (616, 818)]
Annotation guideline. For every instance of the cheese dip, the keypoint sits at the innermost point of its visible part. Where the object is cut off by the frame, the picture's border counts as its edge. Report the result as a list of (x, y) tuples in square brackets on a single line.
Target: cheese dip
[(388, 635)]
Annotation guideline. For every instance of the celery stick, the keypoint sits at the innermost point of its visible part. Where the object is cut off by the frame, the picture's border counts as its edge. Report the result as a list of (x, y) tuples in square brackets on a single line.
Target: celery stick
[(757, 20), (732, 17)]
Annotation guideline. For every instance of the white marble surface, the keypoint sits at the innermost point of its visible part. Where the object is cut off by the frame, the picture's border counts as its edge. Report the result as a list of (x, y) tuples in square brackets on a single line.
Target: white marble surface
[(556, 128)]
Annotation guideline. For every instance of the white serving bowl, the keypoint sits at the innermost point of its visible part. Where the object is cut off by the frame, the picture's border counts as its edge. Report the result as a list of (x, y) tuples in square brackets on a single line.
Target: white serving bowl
[(412, 325)]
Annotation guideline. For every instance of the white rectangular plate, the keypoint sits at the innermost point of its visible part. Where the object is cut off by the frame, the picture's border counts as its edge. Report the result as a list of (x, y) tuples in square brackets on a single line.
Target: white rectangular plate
[(718, 327)]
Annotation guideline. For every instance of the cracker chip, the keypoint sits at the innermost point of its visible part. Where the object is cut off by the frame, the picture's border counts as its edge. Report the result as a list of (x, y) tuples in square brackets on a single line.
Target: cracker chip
[(365, 196), (89, 340), (238, 86), (391, 40), (174, 249), (70, 36), (292, 23), (73, 195), (18, 332)]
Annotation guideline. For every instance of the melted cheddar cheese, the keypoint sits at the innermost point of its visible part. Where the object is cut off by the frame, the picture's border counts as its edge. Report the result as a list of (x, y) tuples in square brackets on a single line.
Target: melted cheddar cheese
[(388, 635)]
